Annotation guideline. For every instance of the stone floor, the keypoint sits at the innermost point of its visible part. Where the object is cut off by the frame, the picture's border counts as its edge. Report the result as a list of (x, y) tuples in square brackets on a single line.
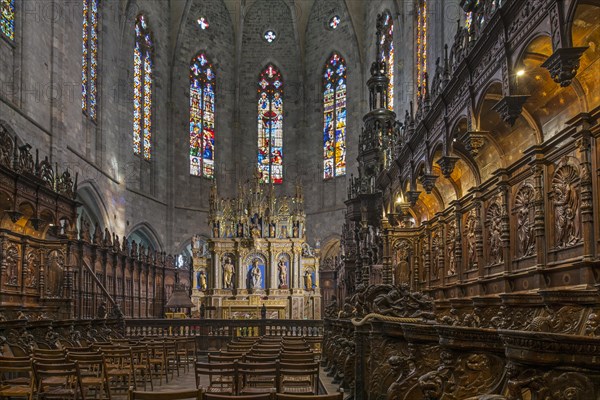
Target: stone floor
[(186, 380)]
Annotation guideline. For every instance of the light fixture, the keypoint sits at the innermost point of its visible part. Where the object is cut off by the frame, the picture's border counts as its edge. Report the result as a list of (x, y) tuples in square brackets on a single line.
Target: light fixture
[(520, 72)]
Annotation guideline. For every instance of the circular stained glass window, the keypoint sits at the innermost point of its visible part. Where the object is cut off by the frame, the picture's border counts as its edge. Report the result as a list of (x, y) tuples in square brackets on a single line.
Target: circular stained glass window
[(270, 36), (334, 21), (203, 23)]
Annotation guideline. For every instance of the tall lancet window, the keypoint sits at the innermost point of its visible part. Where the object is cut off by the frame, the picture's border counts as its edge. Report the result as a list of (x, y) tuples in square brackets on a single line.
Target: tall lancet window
[(202, 117), (142, 88), (421, 46), (270, 125), (7, 18), (89, 58), (387, 54), (334, 120)]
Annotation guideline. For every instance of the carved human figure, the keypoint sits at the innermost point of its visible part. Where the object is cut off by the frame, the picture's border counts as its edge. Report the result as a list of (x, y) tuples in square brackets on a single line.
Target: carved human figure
[(12, 267), (566, 206), (202, 280), (256, 275), (54, 283), (282, 273), (524, 206), (228, 272), (308, 283), (471, 239)]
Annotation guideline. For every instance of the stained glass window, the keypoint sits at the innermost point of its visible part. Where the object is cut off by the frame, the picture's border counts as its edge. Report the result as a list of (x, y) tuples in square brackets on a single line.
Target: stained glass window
[(421, 47), (334, 117), (203, 23), (270, 125), (89, 58), (142, 88), (7, 18), (270, 36), (334, 21), (202, 117), (387, 55)]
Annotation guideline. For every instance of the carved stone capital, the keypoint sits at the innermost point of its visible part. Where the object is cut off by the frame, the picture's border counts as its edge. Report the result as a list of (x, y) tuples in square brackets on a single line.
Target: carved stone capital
[(447, 164), (428, 182), (510, 107), (563, 64)]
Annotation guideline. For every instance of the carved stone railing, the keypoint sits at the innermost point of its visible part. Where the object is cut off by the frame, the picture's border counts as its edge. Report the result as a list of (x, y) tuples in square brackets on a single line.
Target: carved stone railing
[(212, 334)]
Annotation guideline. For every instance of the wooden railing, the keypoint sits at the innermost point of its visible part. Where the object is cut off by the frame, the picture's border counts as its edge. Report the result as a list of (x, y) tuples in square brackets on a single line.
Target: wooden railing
[(213, 334)]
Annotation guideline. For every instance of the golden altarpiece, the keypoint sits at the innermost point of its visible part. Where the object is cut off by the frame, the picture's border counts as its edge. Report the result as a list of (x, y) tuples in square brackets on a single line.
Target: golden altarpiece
[(257, 264)]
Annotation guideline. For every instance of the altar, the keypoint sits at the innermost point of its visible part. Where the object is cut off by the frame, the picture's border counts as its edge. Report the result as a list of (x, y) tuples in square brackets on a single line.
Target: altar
[(258, 260)]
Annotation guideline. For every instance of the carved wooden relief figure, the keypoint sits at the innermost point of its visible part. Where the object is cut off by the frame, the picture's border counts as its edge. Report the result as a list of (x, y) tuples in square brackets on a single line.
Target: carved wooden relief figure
[(524, 210), (494, 224), (31, 271), (565, 191), (471, 226), (12, 266), (401, 260), (55, 274)]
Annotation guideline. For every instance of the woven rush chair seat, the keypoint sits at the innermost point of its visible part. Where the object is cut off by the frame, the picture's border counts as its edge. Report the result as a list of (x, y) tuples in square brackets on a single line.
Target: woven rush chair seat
[(118, 364)]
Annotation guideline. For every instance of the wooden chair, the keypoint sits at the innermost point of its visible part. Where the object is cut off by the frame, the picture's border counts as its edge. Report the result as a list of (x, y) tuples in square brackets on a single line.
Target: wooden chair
[(257, 378), (158, 360), (261, 396), (336, 396), (93, 374), (298, 378), (260, 359), (172, 357), (186, 351), (195, 394), (297, 357), (58, 381), (141, 365), (118, 364), (16, 378), (217, 358), (222, 377)]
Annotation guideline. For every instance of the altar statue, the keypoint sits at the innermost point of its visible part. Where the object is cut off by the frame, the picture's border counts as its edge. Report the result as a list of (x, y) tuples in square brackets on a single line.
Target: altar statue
[(202, 279), (308, 280), (256, 275), (228, 271), (282, 273)]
